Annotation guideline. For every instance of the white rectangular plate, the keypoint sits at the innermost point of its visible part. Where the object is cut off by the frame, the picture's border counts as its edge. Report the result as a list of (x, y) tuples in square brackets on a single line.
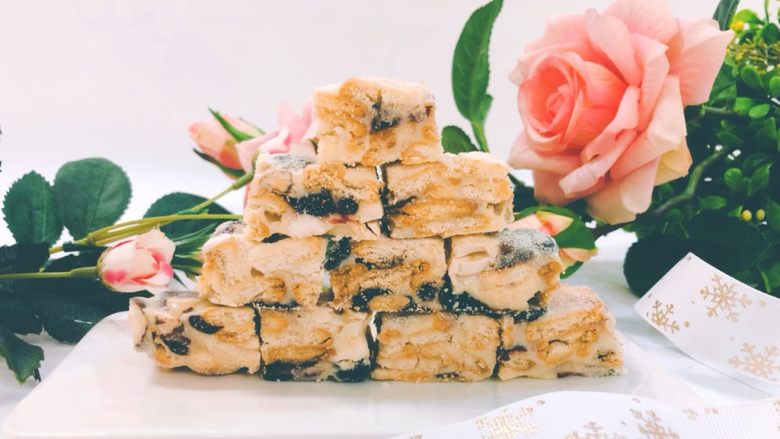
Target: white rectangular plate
[(104, 389)]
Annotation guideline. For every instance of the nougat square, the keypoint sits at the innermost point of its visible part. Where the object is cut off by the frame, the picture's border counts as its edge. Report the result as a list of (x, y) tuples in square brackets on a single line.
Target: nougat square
[(315, 345), (373, 121), (297, 197), (575, 337), (435, 347), (277, 271), (387, 274), (462, 194), (508, 272), (177, 329)]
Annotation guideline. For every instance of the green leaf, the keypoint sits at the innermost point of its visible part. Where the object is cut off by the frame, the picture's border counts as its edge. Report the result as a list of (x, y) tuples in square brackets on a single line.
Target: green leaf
[(18, 316), (90, 194), (759, 111), (726, 242), (65, 319), (774, 86), (29, 210), (23, 258), (766, 134), (712, 202), (176, 202), (734, 179), (456, 141), (770, 33), (523, 195), (649, 259), (22, 358), (749, 75), (759, 179), (230, 172), (747, 16), (773, 215), (470, 66), (237, 134), (742, 105), (728, 138), (724, 13)]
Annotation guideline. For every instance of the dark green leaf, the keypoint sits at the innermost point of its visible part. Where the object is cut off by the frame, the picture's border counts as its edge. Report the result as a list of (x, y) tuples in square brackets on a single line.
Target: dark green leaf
[(772, 274), (23, 258), (237, 134), (749, 75), (523, 195), (29, 210), (712, 202), (470, 66), (724, 13), (64, 319), (233, 173), (18, 316), (773, 215), (456, 141), (774, 86), (734, 179), (176, 202), (728, 138), (22, 358), (766, 134), (649, 259), (742, 105), (759, 179), (759, 111), (770, 33), (89, 194), (726, 242)]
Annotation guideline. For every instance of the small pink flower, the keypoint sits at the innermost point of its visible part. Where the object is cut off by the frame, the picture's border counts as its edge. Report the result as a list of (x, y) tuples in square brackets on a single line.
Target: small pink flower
[(292, 137), (601, 96), (140, 263), (553, 224), (214, 141)]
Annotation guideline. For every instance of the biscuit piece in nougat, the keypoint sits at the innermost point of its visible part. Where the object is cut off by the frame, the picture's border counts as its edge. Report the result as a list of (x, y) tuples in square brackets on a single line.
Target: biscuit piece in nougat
[(575, 337), (435, 347), (178, 329), (315, 345), (297, 197), (387, 274), (508, 272), (278, 271), (460, 195), (373, 121)]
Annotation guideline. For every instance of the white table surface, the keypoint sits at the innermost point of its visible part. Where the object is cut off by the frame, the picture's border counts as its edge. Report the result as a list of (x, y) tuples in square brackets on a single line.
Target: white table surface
[(603, 273)]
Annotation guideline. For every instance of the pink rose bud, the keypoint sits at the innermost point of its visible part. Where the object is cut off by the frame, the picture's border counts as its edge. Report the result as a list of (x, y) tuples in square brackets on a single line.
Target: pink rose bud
[(292, 137), (601, 96), (137, 264), (553, 224), (217, 143)]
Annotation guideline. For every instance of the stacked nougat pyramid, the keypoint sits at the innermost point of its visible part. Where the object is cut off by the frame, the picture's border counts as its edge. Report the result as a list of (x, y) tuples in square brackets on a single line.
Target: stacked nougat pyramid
[(382, 257)]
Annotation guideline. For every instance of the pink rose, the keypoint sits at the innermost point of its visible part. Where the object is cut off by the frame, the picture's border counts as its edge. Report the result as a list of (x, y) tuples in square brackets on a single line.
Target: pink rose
[(214, 141), (553, 224), (292, 137), (601, 97), (140, 263)]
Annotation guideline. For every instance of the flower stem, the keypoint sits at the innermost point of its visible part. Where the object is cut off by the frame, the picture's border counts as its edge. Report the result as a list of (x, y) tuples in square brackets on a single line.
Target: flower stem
[(238, 184), (89, 272), (479, 133), (720, 112)]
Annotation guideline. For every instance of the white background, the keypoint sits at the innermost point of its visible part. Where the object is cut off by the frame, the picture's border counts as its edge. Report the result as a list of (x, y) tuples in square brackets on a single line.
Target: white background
[(124, 80)]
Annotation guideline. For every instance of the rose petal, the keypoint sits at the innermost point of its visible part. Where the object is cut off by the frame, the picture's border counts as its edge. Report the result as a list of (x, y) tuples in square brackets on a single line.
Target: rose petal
[(626, 118), (664, 133), (674, 164), (696, 55), (523, 156), (610, 36), (156, 242), (546, 189), (584, 178), (652, 56), (651, 18), (621, 200)]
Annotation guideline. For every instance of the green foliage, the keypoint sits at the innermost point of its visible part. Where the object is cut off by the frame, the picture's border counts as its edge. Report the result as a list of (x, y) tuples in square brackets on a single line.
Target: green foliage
[(22, 358), (179, 201), (237, 134), (29, 210), (724, 12), (456, 141), (471, 68), (89, 194), (230, 172)]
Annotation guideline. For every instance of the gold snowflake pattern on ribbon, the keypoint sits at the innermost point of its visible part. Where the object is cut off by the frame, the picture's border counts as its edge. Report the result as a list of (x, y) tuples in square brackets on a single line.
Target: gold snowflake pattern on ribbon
[(723, 298), (662, 315), (652, 427), (508, 425), (763, 363), (592, 430), (690, 413)]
